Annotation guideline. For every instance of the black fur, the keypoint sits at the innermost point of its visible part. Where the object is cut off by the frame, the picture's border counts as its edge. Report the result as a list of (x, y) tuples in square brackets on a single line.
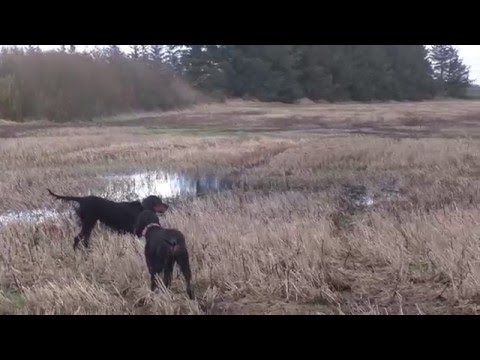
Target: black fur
[(119, 216), (163, 248)]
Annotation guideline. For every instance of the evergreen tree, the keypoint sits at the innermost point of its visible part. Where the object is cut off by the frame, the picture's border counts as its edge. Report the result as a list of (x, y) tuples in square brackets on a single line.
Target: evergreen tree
[(173, 57), (135, 52), (451, 75), (156, 52), (266, 72), (144, 52), (113, 52), (33, 49), (331, 72)]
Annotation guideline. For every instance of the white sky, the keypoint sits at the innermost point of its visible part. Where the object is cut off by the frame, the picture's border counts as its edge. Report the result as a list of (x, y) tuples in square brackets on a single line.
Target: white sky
[(471, 57), (469, 53)]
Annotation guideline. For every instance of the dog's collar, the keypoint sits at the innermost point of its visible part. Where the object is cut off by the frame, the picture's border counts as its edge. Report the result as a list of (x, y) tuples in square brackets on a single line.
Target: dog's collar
[(150, 226)]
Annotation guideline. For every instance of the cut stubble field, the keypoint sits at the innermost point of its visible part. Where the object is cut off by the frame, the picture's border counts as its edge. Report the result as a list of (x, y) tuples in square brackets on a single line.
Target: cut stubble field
[(334, 209)]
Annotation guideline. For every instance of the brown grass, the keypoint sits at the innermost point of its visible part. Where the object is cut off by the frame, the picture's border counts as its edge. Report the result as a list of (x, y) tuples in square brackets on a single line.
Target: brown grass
[(286, 241)]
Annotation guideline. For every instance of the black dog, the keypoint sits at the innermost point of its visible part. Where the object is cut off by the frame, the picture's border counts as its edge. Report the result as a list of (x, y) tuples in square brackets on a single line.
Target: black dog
[(163, 248), (119, 216)]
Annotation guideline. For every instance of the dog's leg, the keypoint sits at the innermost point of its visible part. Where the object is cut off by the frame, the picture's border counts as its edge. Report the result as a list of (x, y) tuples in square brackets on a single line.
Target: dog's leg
[(155, 265), (87, 227), (153, 281), (168, 270), (181, 257), (151, 270), (76, 241)]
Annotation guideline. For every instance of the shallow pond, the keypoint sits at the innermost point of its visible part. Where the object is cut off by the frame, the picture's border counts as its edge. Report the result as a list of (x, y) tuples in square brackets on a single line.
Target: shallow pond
[(136, 186)]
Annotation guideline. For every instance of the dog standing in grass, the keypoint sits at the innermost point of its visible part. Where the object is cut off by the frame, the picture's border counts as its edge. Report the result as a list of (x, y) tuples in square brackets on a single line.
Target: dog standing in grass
[(119, 216), (163, 248)]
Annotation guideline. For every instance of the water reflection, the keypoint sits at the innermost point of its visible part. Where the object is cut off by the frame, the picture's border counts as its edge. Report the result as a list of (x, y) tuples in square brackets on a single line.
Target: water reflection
[(166, 185), (37, 215), (361, 197), (134, 187)]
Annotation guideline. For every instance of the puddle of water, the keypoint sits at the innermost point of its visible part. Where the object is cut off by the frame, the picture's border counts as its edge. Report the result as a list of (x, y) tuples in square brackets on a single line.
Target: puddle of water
[(391, 194), (133, 187), (165, 185), (37, 215), (363, 201), (360, 197)]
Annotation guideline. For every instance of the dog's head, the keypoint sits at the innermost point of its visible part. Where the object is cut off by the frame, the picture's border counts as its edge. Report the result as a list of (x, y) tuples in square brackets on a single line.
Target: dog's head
[(146, 217), (154, 203)]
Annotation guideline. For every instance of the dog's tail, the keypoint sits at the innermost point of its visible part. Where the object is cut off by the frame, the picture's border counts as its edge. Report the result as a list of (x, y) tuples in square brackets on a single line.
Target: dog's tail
[(67, 198)]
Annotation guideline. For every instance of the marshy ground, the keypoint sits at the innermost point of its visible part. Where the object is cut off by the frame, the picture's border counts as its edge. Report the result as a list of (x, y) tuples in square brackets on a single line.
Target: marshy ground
[(304, 209)]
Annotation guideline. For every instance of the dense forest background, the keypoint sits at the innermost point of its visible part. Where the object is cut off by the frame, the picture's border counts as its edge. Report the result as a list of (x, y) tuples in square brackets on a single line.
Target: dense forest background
[(65, 85)]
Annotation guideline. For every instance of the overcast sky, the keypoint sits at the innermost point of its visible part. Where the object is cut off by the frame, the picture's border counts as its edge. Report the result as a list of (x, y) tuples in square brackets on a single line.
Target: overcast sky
[(471, 57), (469, 53)]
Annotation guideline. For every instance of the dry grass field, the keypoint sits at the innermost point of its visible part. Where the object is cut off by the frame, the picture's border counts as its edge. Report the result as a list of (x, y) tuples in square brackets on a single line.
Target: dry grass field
[(331, 209)]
